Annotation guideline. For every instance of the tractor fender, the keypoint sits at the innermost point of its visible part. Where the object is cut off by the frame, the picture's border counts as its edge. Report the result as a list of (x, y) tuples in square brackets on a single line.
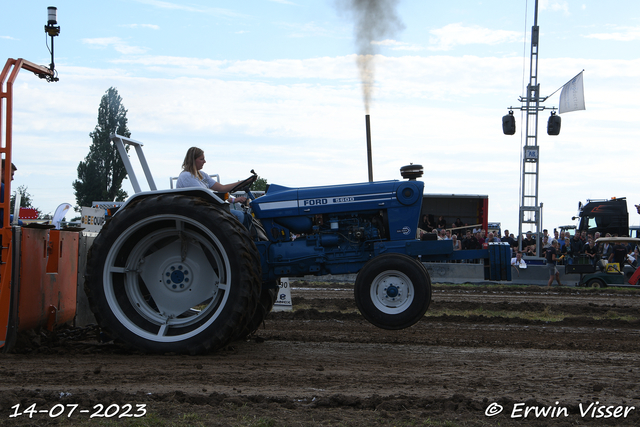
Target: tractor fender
[(201, 193)]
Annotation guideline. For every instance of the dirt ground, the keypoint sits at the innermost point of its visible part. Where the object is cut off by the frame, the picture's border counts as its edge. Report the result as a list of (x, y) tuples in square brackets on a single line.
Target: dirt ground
[(561, 357)]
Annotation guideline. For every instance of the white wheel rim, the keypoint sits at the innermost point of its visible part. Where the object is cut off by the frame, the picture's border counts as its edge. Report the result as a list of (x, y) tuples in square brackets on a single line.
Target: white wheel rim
[(174, 281), (392, 292)]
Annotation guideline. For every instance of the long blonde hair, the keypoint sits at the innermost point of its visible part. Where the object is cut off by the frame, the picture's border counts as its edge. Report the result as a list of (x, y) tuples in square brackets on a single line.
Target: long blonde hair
[(189, 163)]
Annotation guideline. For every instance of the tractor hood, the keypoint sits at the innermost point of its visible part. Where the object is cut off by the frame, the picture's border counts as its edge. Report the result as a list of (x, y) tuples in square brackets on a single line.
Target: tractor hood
[(282, 201)]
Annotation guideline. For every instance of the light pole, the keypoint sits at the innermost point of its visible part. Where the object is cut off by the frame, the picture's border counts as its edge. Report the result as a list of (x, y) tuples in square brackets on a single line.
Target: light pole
[(530, 214), (53, 31)]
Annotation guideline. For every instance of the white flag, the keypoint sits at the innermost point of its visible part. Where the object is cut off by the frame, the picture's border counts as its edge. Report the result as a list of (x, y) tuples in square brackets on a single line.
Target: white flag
[(572, 95)]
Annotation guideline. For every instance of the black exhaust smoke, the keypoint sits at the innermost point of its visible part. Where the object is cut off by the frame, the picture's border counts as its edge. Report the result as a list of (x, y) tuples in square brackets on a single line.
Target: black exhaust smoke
[(375, 20)]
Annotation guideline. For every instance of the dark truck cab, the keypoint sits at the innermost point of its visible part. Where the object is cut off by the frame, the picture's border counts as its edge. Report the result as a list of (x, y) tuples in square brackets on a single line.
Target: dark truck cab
[(604, 216)]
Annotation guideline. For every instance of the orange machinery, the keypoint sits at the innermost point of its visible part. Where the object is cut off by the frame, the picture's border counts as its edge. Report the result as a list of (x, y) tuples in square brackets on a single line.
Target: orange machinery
[(38, 266)]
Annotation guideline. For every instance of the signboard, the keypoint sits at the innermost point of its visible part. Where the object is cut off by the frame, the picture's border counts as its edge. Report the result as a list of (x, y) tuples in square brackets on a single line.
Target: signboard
[(92, 219), (531, 153), (283, 299)]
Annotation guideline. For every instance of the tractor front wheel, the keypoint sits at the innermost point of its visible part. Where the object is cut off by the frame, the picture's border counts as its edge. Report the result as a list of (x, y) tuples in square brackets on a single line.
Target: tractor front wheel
[(393, 291)]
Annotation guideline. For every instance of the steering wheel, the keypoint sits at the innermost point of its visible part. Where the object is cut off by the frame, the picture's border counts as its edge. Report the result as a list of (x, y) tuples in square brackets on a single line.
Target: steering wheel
[(245, 184)]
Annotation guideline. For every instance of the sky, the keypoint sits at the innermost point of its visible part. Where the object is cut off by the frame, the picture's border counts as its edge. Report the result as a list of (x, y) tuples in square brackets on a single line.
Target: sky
[(274, 86)]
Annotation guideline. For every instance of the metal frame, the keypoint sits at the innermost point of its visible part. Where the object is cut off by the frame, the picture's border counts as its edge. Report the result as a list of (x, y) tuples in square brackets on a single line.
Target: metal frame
[(529, 209), (530, 213), (120, 141), (8, 286)]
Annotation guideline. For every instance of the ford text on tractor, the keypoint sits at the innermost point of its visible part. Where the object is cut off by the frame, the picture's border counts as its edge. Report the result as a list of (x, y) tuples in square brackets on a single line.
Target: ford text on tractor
[(174, 271)]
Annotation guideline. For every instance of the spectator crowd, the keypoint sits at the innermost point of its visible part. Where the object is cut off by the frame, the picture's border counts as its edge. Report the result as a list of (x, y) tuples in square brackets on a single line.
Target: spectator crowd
[(579, 248)]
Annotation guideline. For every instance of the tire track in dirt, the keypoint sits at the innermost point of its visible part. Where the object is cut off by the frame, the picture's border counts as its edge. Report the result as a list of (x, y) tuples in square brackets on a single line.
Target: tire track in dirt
[(324, 364)]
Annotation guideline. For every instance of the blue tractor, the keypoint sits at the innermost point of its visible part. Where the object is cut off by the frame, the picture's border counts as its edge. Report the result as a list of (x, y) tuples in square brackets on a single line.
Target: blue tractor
[(174, 271)]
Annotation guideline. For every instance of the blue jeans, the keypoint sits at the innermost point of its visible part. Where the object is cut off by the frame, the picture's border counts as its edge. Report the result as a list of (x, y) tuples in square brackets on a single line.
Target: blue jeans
[(244, 218)]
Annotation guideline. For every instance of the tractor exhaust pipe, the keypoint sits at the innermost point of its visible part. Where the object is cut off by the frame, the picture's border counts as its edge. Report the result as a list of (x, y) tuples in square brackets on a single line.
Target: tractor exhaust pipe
[(369, 159)]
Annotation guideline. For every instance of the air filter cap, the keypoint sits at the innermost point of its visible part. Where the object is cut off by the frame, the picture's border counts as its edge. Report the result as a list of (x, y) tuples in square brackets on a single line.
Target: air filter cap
[(411, 172)]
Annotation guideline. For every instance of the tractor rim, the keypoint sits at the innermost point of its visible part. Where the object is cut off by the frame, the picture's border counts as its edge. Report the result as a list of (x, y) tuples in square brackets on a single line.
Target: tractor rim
[(176, 279), (392, 292)]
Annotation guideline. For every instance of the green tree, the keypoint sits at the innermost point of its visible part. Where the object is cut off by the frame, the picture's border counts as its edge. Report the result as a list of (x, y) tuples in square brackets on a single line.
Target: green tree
[(25, 199), (101, 173), (259, 184)]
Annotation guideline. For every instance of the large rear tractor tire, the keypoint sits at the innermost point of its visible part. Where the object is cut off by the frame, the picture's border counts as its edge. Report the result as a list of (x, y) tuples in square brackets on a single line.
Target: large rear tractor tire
[(269, 292), (393, 291), (266, 301), (173, 274)]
